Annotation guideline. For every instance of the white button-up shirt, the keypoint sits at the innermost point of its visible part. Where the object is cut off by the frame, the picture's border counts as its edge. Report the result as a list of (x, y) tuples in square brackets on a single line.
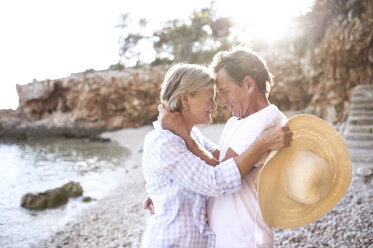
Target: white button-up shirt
[(179, 183)]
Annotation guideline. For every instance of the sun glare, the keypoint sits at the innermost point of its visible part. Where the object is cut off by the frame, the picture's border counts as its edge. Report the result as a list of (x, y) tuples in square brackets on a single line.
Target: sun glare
[(267, 19)]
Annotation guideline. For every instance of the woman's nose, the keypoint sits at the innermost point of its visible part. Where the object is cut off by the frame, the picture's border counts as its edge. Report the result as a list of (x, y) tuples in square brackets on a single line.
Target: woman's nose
[(213, 106)]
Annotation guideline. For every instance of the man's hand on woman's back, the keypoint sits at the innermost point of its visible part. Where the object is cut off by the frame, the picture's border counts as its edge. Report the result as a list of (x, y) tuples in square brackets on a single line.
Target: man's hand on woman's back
[(148, 205), (172, 121)]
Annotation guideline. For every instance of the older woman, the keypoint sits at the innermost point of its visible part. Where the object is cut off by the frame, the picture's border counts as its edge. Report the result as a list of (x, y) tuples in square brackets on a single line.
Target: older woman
[(176, 167)]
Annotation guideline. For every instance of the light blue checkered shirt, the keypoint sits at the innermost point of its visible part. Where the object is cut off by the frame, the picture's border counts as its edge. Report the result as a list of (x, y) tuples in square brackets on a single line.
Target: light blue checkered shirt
[(179, 183)]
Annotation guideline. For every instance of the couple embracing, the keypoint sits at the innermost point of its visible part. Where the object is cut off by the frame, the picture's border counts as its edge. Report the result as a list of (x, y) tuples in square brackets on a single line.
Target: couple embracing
[(205, 194)]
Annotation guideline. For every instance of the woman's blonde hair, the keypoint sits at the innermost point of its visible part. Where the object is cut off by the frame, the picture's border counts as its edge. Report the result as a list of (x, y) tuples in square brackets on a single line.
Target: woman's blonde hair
[(184, 77)]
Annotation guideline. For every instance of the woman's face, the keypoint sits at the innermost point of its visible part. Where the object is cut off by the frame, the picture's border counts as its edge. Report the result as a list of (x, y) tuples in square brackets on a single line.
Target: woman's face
[(200, 107)]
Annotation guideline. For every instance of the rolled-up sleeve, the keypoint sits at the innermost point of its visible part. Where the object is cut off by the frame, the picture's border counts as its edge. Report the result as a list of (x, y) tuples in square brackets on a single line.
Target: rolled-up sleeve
[(177, 162)]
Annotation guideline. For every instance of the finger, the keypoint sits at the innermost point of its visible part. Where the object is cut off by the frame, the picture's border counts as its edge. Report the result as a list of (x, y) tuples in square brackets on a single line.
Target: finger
[(285, 128), (290, 137), (146, 203), (289, 140)]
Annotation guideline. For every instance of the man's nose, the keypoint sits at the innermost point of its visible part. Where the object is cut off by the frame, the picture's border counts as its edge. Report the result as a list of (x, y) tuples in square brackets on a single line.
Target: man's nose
[(222, 99)]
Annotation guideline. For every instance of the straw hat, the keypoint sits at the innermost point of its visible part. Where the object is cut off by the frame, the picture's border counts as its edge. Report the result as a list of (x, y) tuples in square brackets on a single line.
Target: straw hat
[(300, 183)]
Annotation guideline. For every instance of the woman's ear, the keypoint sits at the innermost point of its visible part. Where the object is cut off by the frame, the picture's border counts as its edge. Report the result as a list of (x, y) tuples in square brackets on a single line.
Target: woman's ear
[(249, 83), (184, 98)]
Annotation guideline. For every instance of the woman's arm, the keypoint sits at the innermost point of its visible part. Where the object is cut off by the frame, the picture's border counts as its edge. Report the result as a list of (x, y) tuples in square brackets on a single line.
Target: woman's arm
[(273, 138)]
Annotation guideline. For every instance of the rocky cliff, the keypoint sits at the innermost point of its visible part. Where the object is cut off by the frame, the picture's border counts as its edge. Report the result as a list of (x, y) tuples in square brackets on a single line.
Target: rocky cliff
[(322, 81), (85, 104)]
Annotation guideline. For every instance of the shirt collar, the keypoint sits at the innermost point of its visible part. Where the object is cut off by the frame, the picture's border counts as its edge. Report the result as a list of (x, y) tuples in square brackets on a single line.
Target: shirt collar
[(157, 125)]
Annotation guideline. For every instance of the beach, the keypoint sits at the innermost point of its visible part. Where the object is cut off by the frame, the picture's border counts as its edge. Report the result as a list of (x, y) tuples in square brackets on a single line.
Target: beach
[(119, 220)]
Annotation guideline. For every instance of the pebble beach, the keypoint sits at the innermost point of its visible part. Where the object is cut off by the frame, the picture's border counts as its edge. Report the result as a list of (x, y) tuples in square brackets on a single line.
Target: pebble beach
[(119, 220)]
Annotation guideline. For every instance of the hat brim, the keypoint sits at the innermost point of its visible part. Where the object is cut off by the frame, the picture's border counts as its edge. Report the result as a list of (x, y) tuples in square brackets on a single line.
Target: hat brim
[(316, 135)]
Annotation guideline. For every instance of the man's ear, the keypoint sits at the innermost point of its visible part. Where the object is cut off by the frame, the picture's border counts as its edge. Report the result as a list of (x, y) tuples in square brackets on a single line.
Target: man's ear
[(184, 98), (249, 83)]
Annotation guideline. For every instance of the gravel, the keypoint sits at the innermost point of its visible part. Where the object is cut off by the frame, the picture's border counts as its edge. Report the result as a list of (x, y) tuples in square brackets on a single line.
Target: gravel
[(348, 224), (115, 221), (119, 220)]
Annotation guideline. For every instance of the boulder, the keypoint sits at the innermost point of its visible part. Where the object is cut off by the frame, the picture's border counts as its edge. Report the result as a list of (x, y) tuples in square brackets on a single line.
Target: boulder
[(73, 189), (34, 202), (56, 197), (48, 199), (51, 198)]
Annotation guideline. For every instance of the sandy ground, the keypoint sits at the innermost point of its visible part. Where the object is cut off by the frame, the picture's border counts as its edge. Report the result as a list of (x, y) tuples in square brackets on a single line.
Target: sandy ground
[(119, 220)]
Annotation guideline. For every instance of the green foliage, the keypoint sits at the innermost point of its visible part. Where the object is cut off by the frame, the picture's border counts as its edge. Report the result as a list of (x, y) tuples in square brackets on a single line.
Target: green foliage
[(204, 33), (195, 40), (89, 71), (158, 61), (116, 67), (129, 42)]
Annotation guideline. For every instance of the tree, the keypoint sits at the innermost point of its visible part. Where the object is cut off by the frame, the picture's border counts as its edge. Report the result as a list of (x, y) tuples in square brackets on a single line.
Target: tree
[(128, 52), (195, 41)]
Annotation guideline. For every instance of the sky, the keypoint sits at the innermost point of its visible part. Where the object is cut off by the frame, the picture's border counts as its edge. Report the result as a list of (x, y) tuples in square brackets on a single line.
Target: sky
[(49, 39)]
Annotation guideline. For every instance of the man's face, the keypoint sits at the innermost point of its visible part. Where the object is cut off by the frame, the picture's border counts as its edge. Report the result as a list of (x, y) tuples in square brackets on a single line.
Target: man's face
[(234, 97)]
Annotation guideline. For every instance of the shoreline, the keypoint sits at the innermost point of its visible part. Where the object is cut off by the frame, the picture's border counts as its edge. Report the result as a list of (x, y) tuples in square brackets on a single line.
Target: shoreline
[(119, 220)]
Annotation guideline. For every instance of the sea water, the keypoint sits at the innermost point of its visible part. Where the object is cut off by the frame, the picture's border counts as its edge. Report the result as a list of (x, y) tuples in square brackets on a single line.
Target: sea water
[(38, 164)]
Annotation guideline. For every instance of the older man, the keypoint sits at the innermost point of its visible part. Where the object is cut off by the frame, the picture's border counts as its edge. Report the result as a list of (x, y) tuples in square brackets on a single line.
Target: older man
[(243, 82)]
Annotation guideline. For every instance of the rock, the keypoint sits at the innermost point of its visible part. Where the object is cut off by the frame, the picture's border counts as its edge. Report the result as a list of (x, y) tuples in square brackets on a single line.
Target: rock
[(321, 82), (87, 199), (55, 197), (86, 104), (99, 139), (364, 171), (73, 189), (48, 199), (51, 198), (34, 202)]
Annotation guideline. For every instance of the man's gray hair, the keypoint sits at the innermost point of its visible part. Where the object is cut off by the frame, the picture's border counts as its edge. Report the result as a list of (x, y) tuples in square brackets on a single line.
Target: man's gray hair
[(241, 62), (191, 78)]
